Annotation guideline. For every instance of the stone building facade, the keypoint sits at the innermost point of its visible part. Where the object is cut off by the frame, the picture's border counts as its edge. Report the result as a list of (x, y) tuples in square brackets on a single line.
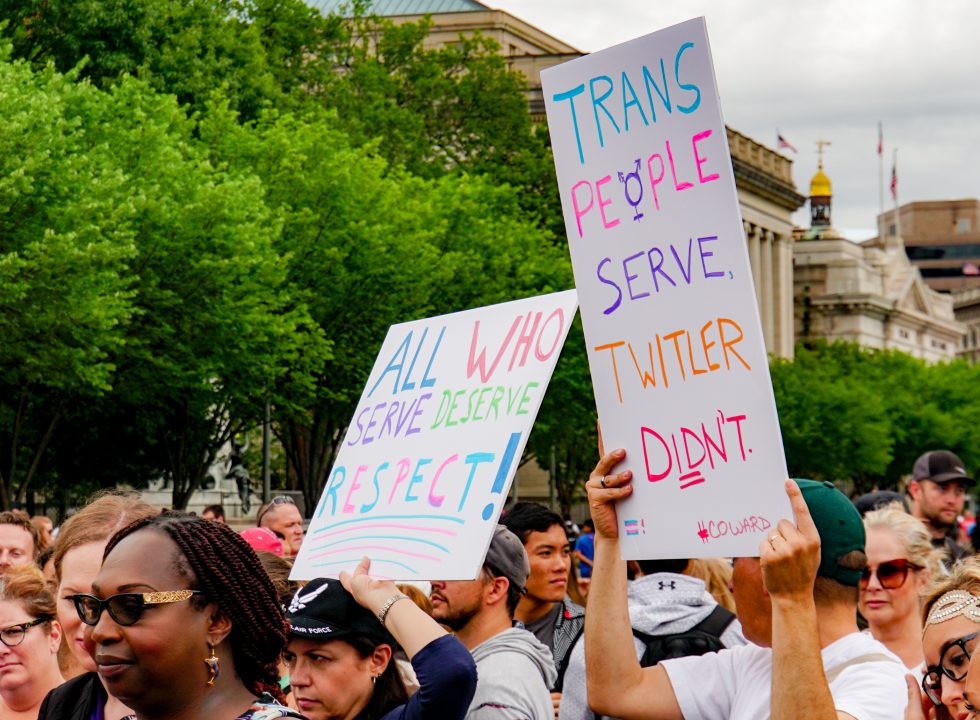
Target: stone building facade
[(767, 199), (941, 238), (870, 294)]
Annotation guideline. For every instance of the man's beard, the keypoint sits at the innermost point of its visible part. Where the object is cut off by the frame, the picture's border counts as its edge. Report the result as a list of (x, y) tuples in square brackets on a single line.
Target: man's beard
[(456, 620), (937, 523)]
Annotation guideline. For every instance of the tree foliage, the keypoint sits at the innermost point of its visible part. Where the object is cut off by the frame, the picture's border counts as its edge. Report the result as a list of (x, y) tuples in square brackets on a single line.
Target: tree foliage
[(859, 415), (140, 284), (208, 205), (564, 440), (65, 245), (369, 246)]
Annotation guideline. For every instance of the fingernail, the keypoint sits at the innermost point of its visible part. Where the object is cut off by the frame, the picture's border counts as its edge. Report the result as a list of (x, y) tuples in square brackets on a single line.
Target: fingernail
[(619, 453)]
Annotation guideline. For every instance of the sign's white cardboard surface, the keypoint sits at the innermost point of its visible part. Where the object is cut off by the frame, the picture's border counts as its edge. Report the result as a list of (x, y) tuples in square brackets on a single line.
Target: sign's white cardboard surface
[(433, 447), (668, 305)]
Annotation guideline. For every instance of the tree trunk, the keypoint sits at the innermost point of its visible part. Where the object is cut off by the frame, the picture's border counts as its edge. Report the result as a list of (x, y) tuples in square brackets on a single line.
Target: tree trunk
[(310, 445)]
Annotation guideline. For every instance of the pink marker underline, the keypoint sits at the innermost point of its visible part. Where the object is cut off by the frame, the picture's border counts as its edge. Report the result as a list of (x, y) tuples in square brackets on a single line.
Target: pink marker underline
[(440, 531), (375, 547)]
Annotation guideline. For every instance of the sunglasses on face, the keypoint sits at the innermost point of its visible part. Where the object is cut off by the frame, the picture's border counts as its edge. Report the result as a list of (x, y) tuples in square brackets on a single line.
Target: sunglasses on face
[(278, 500), (953, 663), (125, 608), (891, 574), (14, 635)]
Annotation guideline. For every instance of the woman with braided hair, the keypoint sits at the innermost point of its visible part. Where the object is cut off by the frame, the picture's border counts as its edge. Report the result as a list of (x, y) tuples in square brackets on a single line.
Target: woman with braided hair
[(183, 623)]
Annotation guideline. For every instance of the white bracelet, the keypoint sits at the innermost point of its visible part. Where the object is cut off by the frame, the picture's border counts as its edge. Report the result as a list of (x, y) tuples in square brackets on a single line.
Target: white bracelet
[(383, 612)]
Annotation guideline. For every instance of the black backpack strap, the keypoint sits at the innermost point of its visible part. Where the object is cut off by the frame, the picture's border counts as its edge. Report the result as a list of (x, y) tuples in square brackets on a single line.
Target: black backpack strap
[(563, 666), (717, 622), (714, 625)]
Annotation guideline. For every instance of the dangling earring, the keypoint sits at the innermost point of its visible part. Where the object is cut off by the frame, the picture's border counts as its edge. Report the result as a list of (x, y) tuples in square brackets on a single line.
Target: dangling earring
[(214, 665), (374, 679)]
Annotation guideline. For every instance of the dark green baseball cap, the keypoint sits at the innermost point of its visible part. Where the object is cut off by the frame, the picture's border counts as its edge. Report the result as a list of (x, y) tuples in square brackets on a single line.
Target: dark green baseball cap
[(839, 525)]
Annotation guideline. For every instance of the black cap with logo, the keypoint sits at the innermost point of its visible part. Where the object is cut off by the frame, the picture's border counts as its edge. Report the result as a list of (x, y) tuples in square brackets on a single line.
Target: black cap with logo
[(323, 610), (941, 466)]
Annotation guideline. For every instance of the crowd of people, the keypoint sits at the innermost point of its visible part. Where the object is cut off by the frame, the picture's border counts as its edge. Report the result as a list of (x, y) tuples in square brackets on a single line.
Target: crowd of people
[(864, 610)]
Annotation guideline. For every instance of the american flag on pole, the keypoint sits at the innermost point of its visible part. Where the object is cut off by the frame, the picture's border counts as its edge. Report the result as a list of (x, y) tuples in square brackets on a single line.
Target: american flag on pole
[(894, 183), (783, 143), (881, 141)]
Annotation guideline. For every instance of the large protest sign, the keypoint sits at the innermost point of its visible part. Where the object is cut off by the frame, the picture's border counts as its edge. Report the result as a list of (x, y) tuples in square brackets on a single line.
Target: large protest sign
[(675, 345), (431, 451)]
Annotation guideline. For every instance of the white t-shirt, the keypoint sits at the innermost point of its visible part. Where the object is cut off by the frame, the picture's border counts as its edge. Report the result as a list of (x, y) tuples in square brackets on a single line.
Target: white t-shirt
[(735, 684)]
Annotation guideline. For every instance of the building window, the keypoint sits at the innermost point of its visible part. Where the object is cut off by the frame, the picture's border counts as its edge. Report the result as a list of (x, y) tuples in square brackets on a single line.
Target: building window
[(943, 252), (963, 226), (891, 229)]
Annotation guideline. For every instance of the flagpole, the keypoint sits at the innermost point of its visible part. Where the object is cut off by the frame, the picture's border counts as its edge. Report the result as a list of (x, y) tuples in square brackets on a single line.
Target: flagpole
[(881, 185), (898, 219)]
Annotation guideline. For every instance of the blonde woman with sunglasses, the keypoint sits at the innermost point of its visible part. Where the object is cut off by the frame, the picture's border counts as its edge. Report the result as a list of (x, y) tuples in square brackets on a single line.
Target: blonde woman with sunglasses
[(901, 564)]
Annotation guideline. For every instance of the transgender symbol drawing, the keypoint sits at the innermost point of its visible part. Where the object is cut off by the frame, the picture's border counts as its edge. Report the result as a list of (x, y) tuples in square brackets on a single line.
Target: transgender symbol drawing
[(625, 179)]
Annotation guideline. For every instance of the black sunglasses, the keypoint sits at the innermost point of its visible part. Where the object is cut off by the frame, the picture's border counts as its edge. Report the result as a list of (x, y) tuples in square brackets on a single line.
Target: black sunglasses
[(125, 608), (14, 635), (891, 574), (278, 500), (953, 663)]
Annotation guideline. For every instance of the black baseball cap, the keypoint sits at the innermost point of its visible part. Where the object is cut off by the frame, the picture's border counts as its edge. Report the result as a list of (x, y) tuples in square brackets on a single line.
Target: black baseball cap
[(941, 466), (879, 499), (324, 610)]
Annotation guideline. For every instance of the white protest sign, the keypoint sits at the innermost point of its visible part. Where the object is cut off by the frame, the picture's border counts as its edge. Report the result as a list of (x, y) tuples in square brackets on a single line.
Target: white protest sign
[(675, 345), (433, 446)]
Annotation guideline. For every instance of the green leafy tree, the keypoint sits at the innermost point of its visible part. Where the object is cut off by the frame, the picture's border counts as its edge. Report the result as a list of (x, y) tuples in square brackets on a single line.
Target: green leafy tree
[(218, 324), (370, 246), (849, 413), (564, 440), (439, 110), (65, 247), (188, 47)]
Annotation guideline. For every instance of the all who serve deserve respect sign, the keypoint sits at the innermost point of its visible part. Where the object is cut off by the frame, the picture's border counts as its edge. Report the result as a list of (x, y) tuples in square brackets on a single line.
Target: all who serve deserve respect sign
[(424, 469), (678, 362)]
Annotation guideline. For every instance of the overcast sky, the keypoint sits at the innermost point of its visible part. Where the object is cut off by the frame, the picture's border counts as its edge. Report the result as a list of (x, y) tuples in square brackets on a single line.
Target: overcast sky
[(825, 70)]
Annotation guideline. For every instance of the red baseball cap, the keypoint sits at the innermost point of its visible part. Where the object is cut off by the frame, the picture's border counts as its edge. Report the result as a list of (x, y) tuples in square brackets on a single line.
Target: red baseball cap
[(263, 540)]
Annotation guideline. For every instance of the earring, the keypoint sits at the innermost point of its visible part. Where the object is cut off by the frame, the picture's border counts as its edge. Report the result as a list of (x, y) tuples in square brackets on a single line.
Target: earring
[(214, 665), (374, 679)]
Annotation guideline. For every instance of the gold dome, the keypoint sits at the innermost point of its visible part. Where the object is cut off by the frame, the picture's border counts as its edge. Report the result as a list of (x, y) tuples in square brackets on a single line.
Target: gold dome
[(820, 184)]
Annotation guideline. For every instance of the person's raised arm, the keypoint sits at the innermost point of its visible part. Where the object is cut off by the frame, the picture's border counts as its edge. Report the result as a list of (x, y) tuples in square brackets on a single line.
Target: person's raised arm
[(616, 683), (406, 621), (790, 558)]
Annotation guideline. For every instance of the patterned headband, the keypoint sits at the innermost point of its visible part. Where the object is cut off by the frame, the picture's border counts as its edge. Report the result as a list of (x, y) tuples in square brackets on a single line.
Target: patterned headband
[(953, 603)]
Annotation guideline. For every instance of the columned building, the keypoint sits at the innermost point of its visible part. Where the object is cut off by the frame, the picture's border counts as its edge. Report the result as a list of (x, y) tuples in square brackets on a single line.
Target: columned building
[(767, 198), (871, 295), (966, 305)]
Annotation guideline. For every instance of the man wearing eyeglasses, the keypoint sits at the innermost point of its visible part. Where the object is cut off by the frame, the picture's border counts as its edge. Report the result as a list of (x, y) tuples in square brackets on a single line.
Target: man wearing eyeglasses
[(938, 491), (281, 516)]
